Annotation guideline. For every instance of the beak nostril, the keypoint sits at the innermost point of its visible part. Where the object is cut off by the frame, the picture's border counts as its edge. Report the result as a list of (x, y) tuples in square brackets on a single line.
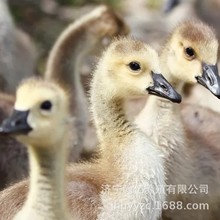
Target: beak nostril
[(210, 81), (206, 68), (163, 87), (16, 123)]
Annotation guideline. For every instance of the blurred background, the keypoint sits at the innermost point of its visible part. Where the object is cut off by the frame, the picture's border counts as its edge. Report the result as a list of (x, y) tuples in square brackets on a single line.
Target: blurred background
[(150, 20), (43, 20)]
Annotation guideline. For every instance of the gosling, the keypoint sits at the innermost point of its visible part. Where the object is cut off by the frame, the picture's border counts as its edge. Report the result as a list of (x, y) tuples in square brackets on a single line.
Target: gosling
[(40, 121)]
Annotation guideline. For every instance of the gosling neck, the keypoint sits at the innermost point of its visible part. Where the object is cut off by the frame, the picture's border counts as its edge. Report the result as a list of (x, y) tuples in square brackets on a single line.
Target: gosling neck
[(108, 112), (64, 65), (162, 111), (163, 116), (47, 174), (66, 57), (174, 81)]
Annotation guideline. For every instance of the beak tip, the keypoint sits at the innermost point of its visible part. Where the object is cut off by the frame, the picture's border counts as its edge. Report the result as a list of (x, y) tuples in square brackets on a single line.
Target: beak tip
[(177, 99), (210, 79)]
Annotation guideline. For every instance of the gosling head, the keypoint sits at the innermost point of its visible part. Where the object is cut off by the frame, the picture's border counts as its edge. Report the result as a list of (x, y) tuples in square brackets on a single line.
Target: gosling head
[(192, 55), (40, 113), (131, 68), (107, 24)]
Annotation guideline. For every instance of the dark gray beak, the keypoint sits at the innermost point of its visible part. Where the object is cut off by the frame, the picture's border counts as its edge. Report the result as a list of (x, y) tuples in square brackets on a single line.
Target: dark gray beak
[(163, 89), (169, 5), (210, 78), (16, 124)]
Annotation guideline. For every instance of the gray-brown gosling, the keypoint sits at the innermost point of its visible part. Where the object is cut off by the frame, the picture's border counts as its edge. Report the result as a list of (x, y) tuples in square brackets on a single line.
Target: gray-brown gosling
[(189, 56), (40, 121), (128, 179), (66, 56)]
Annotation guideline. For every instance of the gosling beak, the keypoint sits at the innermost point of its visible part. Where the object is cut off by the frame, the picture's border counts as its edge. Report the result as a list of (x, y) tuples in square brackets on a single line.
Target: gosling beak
[(16, 124), (163, 89), (169, 5), (210, 78)]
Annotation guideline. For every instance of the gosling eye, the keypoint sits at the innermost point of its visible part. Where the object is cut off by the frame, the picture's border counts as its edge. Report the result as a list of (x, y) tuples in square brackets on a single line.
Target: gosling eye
[(46, 105), (134, 66), (190, 53)]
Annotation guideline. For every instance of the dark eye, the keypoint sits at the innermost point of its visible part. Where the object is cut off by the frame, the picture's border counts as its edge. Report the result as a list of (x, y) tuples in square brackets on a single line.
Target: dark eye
[(135, 66), (46, 105), (190, 52)]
